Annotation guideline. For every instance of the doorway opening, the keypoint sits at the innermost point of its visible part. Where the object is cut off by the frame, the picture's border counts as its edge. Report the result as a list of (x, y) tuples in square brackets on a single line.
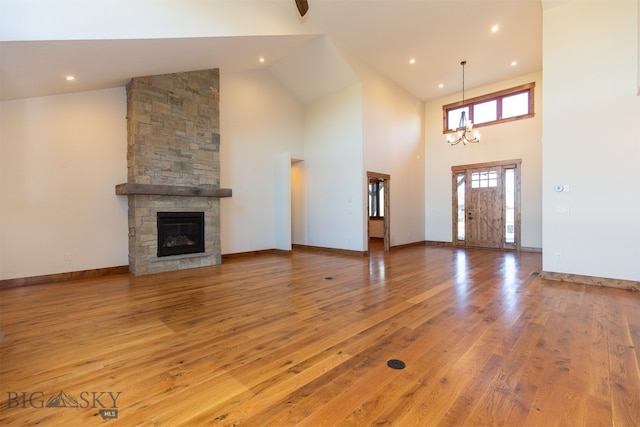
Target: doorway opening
[(486, 205), (378, 210)]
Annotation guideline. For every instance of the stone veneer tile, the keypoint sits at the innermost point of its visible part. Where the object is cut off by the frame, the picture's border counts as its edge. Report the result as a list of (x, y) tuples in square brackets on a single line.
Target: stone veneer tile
[(173, 139)]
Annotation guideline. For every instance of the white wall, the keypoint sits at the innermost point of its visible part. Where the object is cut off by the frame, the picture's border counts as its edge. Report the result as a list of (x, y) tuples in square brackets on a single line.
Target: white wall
[(333, 172), (376, 228), (299, 210), (282, 210), (63, 155), (591, 139), (259, 122), (107, 20), (512, 140), (61, 159), (394, 145)]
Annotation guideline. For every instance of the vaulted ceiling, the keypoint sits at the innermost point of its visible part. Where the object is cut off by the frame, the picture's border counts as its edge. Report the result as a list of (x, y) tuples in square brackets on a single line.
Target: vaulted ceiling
[(105, 43)]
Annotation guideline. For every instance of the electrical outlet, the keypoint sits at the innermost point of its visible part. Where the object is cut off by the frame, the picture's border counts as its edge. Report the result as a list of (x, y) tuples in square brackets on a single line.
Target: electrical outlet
[(67, 256)]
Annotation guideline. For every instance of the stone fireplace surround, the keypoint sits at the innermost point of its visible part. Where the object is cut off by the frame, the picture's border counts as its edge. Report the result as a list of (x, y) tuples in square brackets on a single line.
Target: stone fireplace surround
[(173, 141)]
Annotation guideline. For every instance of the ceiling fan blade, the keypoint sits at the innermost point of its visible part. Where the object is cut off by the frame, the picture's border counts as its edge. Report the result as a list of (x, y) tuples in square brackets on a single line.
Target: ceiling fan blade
[(303, 6)]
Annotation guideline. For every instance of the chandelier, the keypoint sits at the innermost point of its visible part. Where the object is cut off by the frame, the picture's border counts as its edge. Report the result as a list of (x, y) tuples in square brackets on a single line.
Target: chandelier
[(464, 132)]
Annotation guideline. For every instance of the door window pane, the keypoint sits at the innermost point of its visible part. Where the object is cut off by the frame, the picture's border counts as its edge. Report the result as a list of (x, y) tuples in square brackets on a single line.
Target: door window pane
[(486, 179)]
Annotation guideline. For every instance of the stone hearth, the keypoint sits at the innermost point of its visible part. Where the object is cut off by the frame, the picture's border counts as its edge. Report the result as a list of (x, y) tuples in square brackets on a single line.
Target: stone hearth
[(173, 137)]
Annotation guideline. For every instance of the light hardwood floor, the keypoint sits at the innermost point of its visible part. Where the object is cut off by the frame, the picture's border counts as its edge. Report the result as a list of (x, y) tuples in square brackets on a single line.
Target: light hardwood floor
[(276, 340)]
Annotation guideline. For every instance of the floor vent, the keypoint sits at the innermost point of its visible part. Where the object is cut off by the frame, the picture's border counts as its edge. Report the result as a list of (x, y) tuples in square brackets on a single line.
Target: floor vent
[(396, 364)]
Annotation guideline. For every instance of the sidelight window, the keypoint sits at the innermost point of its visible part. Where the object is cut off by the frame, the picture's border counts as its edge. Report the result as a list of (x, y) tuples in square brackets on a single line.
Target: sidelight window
[(510, 204), (460, 194)]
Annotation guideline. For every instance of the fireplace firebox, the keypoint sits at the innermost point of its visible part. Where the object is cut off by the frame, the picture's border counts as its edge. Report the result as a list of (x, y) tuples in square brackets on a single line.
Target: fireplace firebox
[(180, 233)]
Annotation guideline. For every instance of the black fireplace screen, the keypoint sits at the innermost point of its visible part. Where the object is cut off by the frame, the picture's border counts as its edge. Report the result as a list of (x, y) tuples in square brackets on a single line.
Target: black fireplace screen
[(180, 233)]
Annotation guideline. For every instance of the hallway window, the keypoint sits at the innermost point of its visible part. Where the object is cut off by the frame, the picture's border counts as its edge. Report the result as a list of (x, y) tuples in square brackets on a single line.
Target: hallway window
[(376, 198)]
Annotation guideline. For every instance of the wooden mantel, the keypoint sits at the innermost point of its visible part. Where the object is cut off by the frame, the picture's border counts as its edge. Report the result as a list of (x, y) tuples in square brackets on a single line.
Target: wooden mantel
[(171, 190)]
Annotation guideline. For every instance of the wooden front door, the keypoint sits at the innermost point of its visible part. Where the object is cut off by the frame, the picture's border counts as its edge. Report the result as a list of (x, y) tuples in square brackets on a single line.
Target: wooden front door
[(486, 205), (483, 208)]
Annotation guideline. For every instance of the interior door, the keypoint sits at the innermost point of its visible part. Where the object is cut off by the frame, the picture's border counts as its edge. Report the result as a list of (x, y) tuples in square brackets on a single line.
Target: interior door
[(382, 202), (484, 208)]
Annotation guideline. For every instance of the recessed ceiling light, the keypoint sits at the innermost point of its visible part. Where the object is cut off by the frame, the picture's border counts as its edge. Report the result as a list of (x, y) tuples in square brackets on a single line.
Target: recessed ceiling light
[(412, 61), (440, 85), (261, 59), (70, 78), (514, 63), (495, 28)]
